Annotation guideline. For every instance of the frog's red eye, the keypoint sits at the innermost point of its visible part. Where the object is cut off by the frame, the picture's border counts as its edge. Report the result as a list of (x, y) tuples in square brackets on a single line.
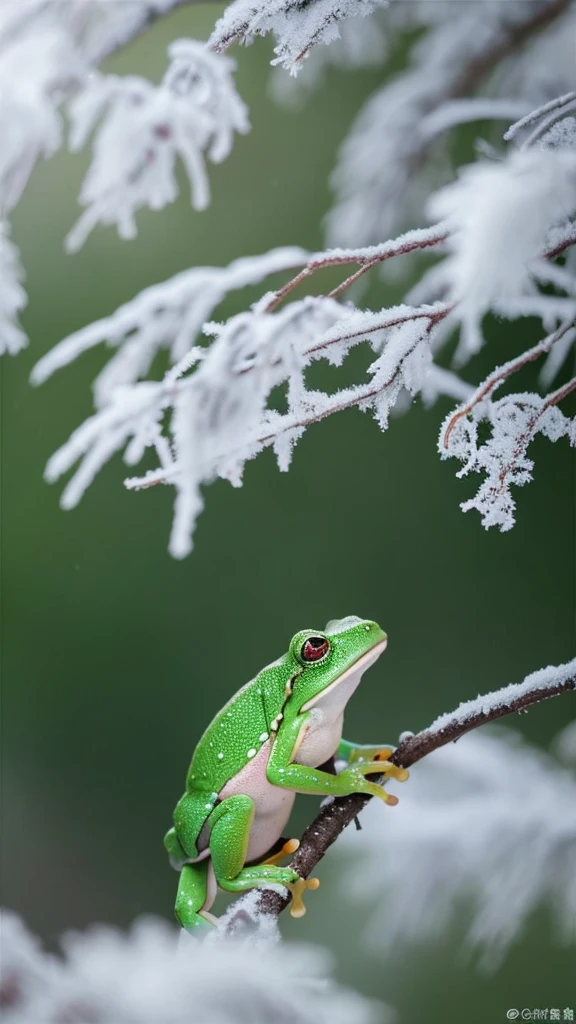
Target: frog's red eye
[(314, 648)]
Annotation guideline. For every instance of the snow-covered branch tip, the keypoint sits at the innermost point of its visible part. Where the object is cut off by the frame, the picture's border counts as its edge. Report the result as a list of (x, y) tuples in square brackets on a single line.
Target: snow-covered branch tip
[(144, 129), (336, 815), (514, 420)]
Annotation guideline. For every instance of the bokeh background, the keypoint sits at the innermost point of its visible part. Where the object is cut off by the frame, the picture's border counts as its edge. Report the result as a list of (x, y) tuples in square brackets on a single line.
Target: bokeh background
[(114, 656)]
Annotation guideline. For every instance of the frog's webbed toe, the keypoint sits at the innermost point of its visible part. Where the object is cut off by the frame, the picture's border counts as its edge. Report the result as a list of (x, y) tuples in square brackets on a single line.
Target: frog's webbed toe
[(288, 848), (297, 889)]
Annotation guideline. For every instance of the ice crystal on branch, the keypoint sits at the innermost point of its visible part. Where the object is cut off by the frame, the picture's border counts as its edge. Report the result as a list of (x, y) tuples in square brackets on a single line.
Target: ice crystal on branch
[(109, 977), (395, 151), (296, 26), (514, 420), (145, 128)]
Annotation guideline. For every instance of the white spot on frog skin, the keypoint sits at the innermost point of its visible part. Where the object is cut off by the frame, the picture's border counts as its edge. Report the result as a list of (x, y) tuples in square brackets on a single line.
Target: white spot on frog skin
[(263, 737), (281, 771), (251, 752), (208, 807), (220, 756)]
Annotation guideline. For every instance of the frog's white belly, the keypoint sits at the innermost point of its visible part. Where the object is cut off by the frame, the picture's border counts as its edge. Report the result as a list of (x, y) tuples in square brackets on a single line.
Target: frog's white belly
[(273, 804), (320, 738)]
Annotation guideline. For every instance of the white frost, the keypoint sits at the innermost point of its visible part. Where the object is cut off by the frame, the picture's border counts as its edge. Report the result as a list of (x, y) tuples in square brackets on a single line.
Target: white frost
[(145, 128), (296, 27), (542, 680), (500, 215), (12, 295), (485, 833), (148, 976)]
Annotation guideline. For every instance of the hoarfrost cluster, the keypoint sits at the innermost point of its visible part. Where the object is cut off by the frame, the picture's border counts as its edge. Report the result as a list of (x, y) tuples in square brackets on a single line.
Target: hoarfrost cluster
[(145, 975), (499, 245)]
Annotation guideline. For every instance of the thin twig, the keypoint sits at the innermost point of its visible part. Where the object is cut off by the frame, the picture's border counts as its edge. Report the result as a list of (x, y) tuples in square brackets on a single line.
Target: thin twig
[(334, 818), (411, 241), (500, 374)]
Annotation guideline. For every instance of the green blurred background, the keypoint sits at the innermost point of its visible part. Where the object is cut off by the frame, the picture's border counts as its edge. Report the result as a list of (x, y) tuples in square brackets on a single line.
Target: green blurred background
[(114, 656)]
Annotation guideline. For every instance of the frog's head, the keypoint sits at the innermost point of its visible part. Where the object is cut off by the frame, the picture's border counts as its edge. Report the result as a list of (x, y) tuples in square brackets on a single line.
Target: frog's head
[(330, 662)]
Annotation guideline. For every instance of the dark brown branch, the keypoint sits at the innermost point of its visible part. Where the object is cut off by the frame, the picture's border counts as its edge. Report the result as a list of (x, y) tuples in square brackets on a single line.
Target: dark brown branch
[(334, 818)]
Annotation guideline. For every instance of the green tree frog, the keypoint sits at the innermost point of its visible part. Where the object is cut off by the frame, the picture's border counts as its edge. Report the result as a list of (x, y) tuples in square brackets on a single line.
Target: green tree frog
[(277, 736)]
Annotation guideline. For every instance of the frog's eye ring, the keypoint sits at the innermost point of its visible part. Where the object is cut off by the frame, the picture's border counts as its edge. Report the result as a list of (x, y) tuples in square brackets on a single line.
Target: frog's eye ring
[(314, 648)]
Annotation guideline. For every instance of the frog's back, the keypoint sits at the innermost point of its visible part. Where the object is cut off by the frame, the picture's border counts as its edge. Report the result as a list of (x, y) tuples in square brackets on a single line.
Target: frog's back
[(236, 734), (229, 743)]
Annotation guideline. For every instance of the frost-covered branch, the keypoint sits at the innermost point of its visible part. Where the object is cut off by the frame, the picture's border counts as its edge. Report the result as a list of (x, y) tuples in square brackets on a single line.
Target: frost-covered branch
[(499, 228), (501, 373), (49, 55), (514, 420), (395, 151), (296, 26), (195, 110), (367, 258), (335, 816)]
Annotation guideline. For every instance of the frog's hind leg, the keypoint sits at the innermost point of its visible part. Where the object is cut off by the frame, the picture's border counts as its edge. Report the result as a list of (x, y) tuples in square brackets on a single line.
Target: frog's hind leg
[(196, 893), (231, 824), (176, 853)]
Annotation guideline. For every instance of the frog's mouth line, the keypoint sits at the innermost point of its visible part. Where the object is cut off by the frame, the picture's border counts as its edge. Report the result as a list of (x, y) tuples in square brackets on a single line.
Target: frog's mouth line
[(357, 667)]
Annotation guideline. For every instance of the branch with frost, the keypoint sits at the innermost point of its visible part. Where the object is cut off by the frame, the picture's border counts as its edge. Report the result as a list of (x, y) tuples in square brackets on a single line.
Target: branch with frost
[(366, 258), (220, 416), (566, 333), (297, 26), (536, 123), (395, 151), (211, 412), (514, 420), (148, 976), (336, 815), (195, 110), (166, 316), (48, 54)]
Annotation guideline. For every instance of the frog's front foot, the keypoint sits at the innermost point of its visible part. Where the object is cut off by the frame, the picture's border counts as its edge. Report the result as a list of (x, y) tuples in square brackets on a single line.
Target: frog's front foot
[(297, 889), (356, 774), (389, 769)]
